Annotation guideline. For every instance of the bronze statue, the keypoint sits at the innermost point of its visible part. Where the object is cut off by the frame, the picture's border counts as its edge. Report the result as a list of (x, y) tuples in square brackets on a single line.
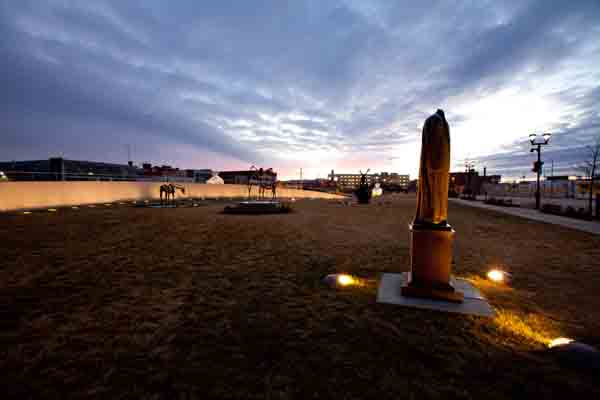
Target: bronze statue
[(431, 236), (363, 192), (169, 189), (434, 172), (262, 178)]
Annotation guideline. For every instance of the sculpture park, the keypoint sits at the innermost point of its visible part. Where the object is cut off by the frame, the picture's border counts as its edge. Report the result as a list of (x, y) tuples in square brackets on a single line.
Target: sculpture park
[(289, 200), (100, 300)]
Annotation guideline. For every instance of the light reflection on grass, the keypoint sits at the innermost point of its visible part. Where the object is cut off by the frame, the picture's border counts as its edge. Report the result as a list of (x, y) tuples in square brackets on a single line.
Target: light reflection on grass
[(531, 326)]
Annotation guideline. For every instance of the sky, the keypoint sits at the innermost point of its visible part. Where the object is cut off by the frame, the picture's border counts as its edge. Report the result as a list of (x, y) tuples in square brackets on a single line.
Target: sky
[(317, 85)]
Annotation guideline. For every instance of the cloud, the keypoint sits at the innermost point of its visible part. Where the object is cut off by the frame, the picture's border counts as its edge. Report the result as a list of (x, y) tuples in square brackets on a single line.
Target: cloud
[(293, 83)]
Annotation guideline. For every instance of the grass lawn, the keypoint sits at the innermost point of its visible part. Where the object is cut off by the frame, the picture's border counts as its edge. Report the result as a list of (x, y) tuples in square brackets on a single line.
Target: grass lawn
[(126, 302)]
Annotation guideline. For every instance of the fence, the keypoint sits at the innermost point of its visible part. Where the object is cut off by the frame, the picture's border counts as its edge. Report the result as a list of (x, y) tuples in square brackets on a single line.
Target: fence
[(571, 189), (32, 195)]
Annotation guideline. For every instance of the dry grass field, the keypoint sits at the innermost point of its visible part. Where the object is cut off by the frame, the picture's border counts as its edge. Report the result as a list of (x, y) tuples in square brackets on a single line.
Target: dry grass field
[(126, 302)]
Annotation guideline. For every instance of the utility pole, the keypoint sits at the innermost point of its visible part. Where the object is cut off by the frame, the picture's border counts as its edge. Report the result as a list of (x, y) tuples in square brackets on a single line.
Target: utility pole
[(301, 182)]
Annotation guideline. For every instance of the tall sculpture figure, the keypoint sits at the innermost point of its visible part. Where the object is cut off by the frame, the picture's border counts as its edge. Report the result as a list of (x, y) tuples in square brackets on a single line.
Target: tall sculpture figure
[(430, 235), (434, 171)]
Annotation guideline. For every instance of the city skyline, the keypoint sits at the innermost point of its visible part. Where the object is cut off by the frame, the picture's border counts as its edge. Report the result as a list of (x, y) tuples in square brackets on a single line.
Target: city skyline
[(338, 85)]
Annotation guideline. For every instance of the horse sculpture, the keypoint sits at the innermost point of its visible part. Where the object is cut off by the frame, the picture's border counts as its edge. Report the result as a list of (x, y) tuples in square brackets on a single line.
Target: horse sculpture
[(169, 190), (264, 186), (262, 178)]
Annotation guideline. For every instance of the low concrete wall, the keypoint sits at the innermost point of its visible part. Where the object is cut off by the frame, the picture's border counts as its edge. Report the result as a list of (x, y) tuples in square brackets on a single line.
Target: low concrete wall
[(32, 195)]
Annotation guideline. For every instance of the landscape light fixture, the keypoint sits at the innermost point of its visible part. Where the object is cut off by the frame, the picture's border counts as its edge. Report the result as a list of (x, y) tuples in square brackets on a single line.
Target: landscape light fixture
[(537, 165), (345, 280), (339, 280), (561, 341), (496, 275)]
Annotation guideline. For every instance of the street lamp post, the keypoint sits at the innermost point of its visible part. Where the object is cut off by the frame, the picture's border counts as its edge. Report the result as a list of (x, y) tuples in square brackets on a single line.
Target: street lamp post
[(469, 166), (537, 166)]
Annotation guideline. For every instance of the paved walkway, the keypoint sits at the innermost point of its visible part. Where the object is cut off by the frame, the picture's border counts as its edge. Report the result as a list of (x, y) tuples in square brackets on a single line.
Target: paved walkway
[(580, 225)]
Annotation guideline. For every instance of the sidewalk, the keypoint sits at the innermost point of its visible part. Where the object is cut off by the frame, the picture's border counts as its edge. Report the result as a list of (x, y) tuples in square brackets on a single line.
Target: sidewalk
[(580, 225)]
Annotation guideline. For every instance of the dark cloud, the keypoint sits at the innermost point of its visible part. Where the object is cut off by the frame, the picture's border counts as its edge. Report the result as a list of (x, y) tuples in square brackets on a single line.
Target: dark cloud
[(264, 80)]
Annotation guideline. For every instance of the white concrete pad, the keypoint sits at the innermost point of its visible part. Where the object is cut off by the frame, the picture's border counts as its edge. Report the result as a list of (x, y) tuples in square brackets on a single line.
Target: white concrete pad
[(474, 303)]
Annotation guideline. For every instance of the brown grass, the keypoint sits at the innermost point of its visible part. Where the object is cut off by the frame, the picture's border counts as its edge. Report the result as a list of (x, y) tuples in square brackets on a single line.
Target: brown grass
[(126, 302)]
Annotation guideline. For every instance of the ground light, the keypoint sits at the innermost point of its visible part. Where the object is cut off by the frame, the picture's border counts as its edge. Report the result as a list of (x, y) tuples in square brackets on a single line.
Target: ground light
[(52, 210), (561, 341), (26, 212), (75, 208), (497, 275), (340, 280), (345, 280)]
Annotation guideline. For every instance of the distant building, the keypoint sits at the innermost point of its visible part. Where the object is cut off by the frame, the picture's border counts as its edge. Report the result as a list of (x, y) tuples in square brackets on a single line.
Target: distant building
[(386, 179), (242, 177), (570, 187), (205, 176), (200, 175), (413, 185), (460, 182), (393, 178), (60, 169), (165, 173), (316, 184)]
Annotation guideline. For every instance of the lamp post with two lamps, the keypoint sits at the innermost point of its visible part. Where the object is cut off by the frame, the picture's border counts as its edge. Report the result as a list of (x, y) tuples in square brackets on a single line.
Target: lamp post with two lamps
[(537, 166), (470, 170)]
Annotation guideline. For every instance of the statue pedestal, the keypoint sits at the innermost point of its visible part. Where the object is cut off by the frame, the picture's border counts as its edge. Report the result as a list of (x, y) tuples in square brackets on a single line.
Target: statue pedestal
[(431, 261)]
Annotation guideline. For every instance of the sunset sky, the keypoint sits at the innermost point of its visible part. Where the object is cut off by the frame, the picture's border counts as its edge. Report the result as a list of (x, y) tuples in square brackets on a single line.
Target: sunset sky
[(321, 85)]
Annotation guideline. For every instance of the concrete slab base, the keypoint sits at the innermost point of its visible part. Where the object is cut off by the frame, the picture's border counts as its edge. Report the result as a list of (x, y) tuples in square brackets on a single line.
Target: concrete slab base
[(154, 205), (257, 207), (473, 304)]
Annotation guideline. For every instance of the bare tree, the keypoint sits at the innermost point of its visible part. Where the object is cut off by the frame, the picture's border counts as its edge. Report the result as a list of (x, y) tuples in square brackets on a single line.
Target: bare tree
[(590, 167)]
